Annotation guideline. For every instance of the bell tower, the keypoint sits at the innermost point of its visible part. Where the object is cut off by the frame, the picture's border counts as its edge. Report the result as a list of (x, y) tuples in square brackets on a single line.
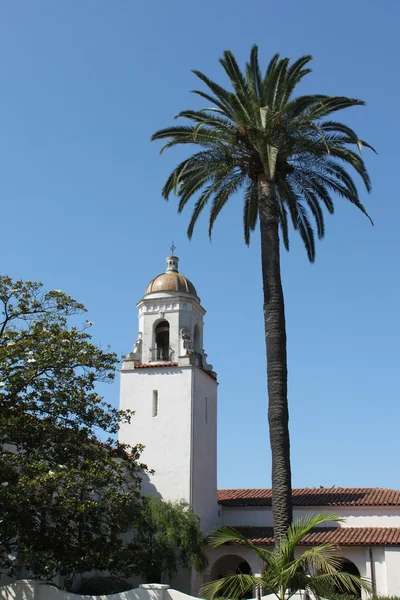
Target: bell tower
[(167, 381)]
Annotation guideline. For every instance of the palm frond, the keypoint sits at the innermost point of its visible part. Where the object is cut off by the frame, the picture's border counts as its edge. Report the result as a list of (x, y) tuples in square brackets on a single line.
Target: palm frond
[(299, 217), (253, 75), (188, 135), (250, 211), (234, 73), (228, 535), (350, 584), (224, 108), (355, 161), (198, 207), (302, 526), (276, 84), (255, 126), (341, 190), (271, 67), (315, 208), (342, 128), (204, 117), (222, 196), (332, 104), (296, 73), (303, 105), (232, 586), (283, 220), (323, 558), (223, 96)]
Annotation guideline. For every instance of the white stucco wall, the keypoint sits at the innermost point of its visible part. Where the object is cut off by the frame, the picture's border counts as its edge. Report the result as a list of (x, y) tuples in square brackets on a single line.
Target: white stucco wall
[(204, 460), (379, 516), (36, 590), (166, 437), (181, 441), (379, 569), (392, 563)]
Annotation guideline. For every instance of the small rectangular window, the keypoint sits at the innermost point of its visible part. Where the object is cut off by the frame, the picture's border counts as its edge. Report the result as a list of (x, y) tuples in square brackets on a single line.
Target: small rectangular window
[(206, 409), (155, 403)]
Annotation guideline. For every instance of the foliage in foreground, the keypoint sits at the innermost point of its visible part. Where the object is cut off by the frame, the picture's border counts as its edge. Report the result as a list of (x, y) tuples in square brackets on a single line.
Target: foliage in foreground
[(65, 496), (69, 503), (168, 538), (317, 570)]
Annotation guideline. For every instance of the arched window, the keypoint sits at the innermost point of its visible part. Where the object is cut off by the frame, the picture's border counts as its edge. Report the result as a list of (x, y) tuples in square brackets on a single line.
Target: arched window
[(162, 350)]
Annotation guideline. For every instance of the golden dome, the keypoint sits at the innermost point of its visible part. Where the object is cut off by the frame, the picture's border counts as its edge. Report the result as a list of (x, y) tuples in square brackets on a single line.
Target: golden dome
[(171, 281)]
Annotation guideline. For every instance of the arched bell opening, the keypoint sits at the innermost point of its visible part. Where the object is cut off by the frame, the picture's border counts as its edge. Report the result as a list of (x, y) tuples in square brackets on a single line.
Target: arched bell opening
[(162, 349)]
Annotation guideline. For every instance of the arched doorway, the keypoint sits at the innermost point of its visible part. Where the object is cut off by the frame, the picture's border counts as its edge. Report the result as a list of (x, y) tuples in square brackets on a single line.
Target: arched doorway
[(349, 567), (161, 334), (230, 565)]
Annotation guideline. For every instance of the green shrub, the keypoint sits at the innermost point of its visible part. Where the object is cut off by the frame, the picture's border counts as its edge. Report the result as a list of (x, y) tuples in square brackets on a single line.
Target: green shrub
[(99, 586), (341, 597)]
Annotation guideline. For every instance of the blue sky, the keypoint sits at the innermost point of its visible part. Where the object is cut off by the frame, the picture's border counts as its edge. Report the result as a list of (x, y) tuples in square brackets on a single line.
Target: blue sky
[(84, 85)]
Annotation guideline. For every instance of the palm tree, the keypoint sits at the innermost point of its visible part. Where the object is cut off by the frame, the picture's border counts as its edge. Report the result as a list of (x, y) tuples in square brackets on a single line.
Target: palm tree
[(289, 160), (316, 571)]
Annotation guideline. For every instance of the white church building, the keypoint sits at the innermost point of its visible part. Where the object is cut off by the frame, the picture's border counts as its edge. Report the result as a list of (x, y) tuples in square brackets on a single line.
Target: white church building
[(172, 388)]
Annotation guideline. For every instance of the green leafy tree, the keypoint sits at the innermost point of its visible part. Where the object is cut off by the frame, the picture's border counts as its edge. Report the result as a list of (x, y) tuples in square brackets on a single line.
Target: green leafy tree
[(289, 159), (65, 496), (168, 538), (316, 571)]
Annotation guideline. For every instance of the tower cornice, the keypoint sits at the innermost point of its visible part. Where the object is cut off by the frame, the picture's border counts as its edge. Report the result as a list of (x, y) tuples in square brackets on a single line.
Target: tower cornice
[(168, 302)]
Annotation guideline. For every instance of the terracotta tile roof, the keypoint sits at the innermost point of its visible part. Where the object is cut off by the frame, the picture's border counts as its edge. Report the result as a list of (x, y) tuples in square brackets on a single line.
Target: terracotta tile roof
[(342, 536), (156, 365), (314, 497)]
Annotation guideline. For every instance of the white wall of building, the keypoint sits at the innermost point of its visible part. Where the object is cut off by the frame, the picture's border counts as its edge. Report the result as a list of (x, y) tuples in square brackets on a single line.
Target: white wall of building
[(166, 437), (261, 516), (180, 442), (392, 564), (379, 574), (204, 465)]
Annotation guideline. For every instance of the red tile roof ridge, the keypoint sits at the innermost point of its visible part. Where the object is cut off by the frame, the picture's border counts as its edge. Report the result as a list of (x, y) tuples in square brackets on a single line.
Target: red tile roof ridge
[(343, 536), (334, 496)]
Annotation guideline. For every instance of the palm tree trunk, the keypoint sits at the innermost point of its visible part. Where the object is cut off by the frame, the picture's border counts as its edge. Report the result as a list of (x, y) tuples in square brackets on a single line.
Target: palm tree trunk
[(275, 340)]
